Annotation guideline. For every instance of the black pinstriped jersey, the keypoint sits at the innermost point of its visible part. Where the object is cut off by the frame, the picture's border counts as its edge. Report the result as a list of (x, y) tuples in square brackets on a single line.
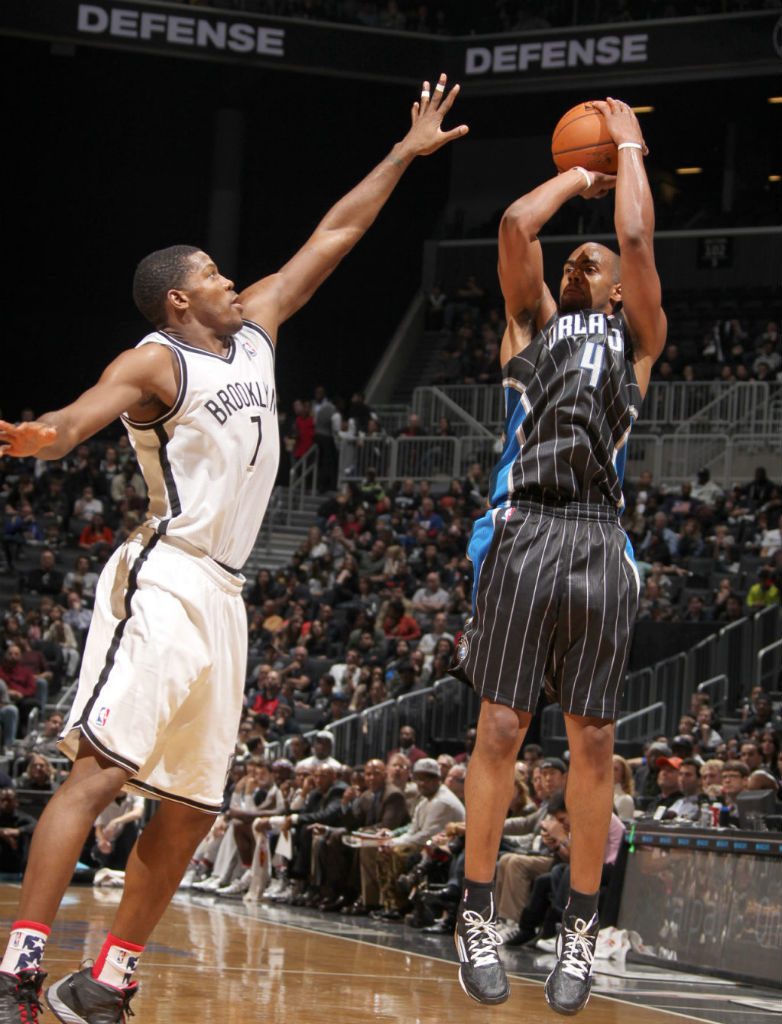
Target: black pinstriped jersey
[(571, 397)]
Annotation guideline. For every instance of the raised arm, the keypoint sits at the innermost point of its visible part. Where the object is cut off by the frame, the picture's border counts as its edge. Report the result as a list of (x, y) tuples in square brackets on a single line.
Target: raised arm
[(274, 299), (634, 223), (142, 382), (528, 302)]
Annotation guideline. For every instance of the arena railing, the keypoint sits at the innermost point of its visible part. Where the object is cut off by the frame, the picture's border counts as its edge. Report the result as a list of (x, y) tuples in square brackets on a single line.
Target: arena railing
[(455, 708), (670, 458), (717, 689), (768, 666), (416, 709), (303, 479), (638, 726), (749, 406)]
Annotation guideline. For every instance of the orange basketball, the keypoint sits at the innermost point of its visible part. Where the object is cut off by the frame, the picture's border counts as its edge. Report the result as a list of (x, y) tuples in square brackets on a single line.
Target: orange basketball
[(581, 138)]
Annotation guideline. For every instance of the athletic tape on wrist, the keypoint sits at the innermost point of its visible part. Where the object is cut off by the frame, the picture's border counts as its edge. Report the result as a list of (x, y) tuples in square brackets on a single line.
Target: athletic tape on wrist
[(630, 145)]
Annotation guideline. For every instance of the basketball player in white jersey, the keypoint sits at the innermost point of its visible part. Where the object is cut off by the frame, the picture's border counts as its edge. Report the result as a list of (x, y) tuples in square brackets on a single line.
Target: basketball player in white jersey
[(160, 689)]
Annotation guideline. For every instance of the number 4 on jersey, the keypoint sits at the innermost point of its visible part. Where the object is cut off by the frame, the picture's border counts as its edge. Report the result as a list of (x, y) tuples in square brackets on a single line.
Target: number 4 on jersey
[(592, 360)]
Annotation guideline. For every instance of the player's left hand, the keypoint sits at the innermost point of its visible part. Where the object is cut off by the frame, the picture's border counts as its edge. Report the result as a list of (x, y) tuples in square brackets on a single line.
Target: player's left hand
[(621, 122), (426, 135), (25, 439)]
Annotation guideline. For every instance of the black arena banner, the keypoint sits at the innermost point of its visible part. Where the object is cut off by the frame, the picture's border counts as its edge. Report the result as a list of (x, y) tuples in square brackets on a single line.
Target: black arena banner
[(674, 50)]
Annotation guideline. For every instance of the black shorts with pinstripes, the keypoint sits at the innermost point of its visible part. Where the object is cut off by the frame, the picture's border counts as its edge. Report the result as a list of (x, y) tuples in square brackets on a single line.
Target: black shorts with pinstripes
[(554, 602)]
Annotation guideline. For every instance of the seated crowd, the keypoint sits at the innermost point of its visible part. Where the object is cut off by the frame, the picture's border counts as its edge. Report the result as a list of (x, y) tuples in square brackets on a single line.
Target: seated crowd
[(367, 610), (469, 320), (386, 838)]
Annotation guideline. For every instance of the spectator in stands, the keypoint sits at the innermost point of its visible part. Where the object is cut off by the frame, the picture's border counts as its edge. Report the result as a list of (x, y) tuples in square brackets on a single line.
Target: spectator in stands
[(624, 805), (705, 489), (764, 592), (38, 774), (77, 615), (116, 830), (16, 829), (96, 533), (322, 746), (762, 718), (42, 740), (430, 599), (735, 776), (407, 746), (82, 578), (667, 783), (751, 754), (708, 737), (20, 529), (732, 611), (771, 540), (45, 579), (398, 624), (429, 641), (711, 778), (770, 743), (759, 491), (437, 807), (21, 685)]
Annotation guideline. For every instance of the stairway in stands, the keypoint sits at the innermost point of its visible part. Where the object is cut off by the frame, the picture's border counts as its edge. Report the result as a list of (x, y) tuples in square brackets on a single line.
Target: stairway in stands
[(278, 540)]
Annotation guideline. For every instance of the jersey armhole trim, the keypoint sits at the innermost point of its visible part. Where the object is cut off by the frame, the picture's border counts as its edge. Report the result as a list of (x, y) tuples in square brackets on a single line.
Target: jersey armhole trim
[(151, 424), (263, 333)]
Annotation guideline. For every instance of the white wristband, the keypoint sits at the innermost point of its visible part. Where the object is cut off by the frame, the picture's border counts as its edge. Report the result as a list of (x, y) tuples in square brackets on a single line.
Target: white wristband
[(587, 175), (630, 145)]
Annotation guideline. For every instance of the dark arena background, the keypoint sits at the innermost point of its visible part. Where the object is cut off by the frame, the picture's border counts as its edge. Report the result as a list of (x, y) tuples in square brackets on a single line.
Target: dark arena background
[(130, 126)]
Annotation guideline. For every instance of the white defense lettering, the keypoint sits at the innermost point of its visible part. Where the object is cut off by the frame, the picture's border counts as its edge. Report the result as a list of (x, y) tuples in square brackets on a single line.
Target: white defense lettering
[(609, 50), (92, 19), (241, 38), (124, 24), (207, 34), (271, 41), (150, 23), (528, 52), (478, 60), (557, 53), (181, 30), (554, 54), (505, 58), (634, 48)]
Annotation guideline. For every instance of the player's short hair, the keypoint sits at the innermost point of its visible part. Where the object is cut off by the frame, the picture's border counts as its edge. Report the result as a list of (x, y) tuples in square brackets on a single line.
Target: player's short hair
[(156, 275)]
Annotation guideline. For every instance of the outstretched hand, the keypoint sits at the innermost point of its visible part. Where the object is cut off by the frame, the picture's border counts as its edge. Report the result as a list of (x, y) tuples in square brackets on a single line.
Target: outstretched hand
[(25, 439), (425, 135), (621, 122)]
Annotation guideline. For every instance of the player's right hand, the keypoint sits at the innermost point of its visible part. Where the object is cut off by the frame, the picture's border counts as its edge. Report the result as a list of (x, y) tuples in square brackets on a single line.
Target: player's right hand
[(25, 439)]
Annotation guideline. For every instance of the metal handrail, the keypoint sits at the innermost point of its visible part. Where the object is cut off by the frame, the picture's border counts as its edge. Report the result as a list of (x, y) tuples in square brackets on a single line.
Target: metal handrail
[(304, 473)]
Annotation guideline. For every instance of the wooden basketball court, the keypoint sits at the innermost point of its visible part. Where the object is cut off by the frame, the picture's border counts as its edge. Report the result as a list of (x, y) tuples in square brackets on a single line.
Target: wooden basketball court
[(220, 962)]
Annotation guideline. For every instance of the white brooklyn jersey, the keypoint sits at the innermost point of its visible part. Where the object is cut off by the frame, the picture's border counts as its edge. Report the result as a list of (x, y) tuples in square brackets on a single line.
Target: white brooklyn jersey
[(211, 461)]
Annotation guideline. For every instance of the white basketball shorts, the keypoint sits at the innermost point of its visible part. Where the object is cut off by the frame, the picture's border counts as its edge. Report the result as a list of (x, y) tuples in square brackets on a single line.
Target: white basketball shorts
[(162, 678)]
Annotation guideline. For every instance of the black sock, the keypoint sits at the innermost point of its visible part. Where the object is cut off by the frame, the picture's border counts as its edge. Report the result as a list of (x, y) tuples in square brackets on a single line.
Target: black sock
[(479, 896), (581, 905)]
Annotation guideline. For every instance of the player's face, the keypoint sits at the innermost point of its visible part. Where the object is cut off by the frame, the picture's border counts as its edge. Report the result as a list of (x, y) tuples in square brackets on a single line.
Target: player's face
[(212, 298), (588, 280)]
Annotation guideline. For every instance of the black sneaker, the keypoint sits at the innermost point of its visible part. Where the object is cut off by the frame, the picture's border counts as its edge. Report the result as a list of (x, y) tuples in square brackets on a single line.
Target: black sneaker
[(80, 999), (568, 985), (481, 973), (20, 997)]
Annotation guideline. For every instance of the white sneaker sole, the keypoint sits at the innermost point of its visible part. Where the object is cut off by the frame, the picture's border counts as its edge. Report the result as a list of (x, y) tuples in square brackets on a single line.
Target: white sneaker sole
[(59, 1009)]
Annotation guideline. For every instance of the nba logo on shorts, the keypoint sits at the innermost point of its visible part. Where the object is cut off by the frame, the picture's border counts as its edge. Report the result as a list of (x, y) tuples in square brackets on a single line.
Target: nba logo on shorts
[(102, 716), (507, 514)]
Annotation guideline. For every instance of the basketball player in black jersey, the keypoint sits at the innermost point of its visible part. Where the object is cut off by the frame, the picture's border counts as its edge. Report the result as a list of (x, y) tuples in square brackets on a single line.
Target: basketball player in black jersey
[(196, 308), (556, 587)]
